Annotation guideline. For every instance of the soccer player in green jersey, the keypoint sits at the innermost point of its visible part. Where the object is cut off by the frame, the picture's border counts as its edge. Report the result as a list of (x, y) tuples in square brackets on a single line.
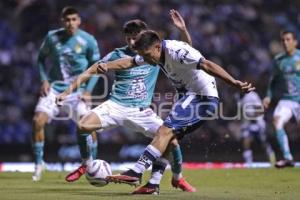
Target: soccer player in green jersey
[(129, 105), (70, 50), (286, 75)]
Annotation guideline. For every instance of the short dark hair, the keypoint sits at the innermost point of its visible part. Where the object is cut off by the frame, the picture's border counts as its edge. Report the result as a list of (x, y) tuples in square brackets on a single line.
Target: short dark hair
[(68, 10), (134, 26), (146, 39), (284, 32)]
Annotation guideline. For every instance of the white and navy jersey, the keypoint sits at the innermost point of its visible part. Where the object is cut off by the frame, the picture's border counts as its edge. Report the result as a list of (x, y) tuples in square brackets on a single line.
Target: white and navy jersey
[(249, 101), (181, 66)]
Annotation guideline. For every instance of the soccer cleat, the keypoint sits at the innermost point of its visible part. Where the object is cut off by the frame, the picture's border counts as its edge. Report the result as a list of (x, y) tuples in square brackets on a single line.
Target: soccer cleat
[(76, 174), (147, 189), (284, 163), (38, 170), (129, 177), (183, 185)]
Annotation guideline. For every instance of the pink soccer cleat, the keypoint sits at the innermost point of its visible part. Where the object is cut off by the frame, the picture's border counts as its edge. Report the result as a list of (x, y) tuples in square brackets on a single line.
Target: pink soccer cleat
[(147, 189), (183, 185), (128, 177), (76, 174)]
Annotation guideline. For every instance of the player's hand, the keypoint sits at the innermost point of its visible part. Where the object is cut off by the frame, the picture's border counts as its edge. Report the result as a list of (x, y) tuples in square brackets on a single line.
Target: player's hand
[(177, 19), (86, 97), (44, 90), (60, 98), (244, 86), (266, 102)]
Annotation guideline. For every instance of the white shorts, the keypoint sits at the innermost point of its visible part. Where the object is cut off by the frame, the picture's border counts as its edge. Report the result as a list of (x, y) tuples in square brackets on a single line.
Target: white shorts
[(254, 129), (286, 109), (73, 107), (112, 115)]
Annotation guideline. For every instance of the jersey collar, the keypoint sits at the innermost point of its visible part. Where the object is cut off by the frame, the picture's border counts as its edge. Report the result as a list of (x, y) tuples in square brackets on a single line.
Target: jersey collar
[(162, 57)]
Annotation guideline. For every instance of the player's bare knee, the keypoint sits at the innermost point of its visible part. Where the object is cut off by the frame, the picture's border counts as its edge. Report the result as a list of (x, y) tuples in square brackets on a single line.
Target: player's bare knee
[(165, 132), (38, 122), (83, 127)]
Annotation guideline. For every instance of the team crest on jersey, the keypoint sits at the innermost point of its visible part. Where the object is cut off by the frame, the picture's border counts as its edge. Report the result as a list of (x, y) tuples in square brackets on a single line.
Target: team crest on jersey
[(181, 54), (78, 48)]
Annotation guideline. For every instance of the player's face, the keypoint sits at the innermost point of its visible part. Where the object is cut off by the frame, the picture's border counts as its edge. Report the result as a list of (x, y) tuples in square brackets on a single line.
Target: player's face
[(130, 38), (152, 54), (289, 42), (71, 23)]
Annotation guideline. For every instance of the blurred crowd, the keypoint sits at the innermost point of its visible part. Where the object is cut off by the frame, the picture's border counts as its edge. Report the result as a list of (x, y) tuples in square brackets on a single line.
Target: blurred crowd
[(242, 36)]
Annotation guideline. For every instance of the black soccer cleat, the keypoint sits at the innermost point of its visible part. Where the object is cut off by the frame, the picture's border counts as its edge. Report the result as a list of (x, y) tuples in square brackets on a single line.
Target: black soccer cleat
[(284, 163)]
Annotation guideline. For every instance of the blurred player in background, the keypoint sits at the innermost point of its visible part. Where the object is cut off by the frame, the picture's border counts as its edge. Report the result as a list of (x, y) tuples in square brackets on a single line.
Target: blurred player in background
[(286, 76), (129, 105), (253, 126), (70, 50)]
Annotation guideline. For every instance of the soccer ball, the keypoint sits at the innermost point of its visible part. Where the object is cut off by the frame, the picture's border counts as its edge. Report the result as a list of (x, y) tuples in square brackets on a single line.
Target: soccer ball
[(97, 171)]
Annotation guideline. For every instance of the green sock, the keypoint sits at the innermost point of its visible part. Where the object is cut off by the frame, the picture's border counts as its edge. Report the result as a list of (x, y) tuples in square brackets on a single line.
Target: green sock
[(83, 145), (284, 144), (94, 149), (177, 162), (38, 150)]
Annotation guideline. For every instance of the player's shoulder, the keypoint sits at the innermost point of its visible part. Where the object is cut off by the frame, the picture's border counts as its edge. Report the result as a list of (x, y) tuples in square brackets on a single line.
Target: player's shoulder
[(55, 32), (124, 52), (279, 56), (174, 44), (298, 52), (86, 35), (117, 53)]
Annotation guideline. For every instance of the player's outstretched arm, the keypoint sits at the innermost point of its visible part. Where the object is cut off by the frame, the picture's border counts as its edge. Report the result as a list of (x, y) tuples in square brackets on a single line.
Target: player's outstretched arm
[(123, 63), (179, 23), (82, 78), (96, 68), (216, 70)]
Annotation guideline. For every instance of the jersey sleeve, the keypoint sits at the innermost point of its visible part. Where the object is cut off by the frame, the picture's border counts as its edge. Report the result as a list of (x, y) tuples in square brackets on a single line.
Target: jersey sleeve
[(44, 51), (273, 80), (110, 57), (188, 56), (93, 55), (138, 60)]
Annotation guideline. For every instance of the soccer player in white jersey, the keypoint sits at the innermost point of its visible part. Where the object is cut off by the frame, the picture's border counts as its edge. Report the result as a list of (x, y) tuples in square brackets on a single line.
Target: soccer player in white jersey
[(191, 74), (129, 102), (71, 50), (286, 76), (253, 126)]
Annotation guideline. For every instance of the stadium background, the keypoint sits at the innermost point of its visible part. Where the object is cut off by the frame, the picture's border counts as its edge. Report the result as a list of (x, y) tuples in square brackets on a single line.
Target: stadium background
[(241, 36)]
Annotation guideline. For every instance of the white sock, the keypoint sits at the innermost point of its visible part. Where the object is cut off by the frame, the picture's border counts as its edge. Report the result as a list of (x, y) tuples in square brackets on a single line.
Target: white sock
[(145, 161)]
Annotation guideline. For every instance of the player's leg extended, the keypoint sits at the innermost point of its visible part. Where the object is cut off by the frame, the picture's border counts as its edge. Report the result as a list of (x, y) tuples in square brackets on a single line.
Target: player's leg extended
[(282, 114), (282, 139), (152, 152), (39, 121), (86, 126)]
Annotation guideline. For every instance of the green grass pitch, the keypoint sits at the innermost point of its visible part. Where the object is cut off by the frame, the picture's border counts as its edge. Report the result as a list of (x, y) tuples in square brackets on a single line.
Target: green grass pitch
[(239, 184)]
